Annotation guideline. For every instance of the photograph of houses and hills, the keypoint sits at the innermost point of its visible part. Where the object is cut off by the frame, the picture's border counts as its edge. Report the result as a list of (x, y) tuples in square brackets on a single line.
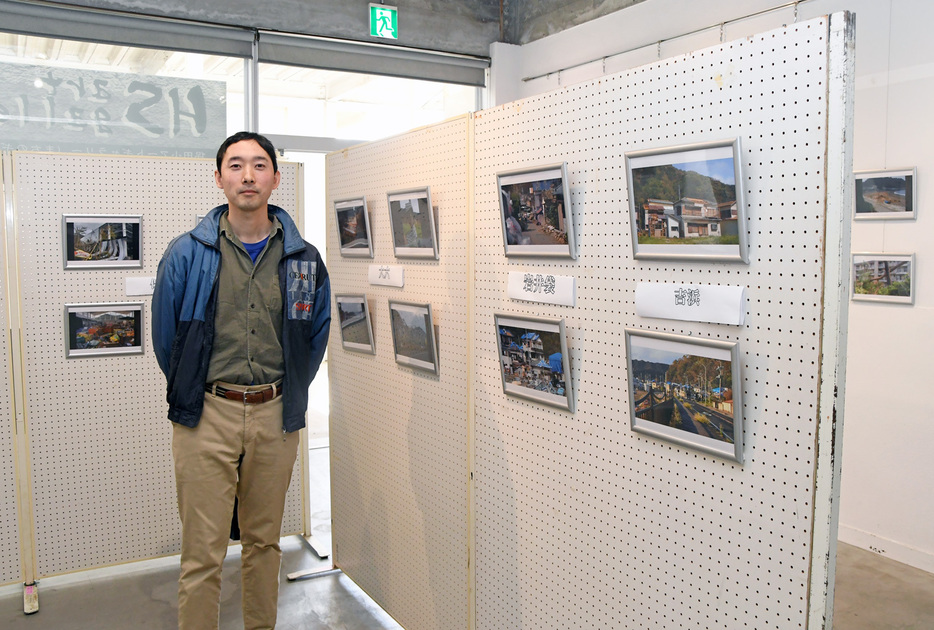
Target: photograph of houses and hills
[(673, 387), (889, 194), (688, 203)]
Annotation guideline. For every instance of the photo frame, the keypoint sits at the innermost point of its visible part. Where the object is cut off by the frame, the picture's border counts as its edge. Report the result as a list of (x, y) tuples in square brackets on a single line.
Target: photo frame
[(883, 277), (887, 194), (102, 241), (413, 335), (103, 329), (533, 359), (686, 390), (412, 218), (686, 202), (354, 317), (535, 212), (353, 228)]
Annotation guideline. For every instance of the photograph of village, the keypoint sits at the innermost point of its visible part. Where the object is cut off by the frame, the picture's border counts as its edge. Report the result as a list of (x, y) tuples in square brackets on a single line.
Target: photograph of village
[(352, 227), (103, 330), (413, 335), (354, 321), (885, 193), (882, 277), (686, 203), (532, 359), (412, 224), (534, 210), (102, 241), (675, 385)]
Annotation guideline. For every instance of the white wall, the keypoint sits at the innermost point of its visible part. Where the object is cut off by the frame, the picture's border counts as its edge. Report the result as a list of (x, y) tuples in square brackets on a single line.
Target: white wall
[(887, 502)]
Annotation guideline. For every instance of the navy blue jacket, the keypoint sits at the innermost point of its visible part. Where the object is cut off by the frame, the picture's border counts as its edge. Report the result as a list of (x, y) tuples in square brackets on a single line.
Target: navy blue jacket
[(185, 300)]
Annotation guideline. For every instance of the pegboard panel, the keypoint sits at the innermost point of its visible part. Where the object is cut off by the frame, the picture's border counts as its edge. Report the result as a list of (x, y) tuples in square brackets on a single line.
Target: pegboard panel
[(580, 522), (101, 460), (10, 569), (398, 435)]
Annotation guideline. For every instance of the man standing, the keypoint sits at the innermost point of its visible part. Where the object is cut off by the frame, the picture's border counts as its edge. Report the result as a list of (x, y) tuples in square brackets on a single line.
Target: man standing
[(240, 318)]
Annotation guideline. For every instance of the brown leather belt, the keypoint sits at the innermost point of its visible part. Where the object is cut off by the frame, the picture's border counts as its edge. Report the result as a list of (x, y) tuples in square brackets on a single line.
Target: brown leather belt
[(252, 397)]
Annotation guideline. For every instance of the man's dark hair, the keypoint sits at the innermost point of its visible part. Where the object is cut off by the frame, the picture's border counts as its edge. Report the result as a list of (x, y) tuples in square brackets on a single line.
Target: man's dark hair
[(240, 136)]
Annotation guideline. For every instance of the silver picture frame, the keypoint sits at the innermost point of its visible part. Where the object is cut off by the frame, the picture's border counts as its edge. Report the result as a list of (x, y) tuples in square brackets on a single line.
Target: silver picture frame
[(686, 390), (353, 314), (103, 329), (412, 219), (353, 228), (535, 212), (890, 194), (686, 202), (876, 277), (533, 359), (102, 241), (413, 336)]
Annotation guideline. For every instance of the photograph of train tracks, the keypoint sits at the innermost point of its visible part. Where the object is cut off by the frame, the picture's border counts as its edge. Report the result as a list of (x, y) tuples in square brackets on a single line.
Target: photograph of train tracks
[(682, 389)]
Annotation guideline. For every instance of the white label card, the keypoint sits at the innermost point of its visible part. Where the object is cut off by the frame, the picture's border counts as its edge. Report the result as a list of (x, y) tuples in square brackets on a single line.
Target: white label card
[(387, 275), (715, 304), (542, 287), (140, 286)]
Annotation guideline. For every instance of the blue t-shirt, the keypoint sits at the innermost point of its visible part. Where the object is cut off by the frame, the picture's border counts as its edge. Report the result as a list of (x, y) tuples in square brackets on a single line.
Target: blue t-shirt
[(253, 249)]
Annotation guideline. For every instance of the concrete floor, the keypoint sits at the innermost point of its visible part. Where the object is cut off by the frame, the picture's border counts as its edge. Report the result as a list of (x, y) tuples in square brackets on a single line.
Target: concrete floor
[(142, 597), (872, 591), (876, 593)]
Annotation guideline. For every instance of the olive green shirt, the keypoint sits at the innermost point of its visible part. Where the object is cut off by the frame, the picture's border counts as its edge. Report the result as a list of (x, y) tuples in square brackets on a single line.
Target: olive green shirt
[(248, 322)]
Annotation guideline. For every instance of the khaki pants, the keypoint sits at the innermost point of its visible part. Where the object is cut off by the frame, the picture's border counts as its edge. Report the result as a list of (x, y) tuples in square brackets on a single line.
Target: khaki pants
[(208, 474)]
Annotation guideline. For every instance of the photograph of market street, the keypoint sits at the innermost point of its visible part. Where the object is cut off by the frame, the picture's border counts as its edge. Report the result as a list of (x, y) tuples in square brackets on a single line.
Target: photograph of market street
[(535, 213), (683, 391)]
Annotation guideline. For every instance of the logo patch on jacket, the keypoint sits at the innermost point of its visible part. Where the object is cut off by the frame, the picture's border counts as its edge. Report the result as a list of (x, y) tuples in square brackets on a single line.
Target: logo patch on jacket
[(301, 293)]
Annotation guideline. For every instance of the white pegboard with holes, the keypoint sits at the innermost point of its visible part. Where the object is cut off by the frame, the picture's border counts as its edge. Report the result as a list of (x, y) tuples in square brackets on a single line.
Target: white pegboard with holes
[(580, 522), (103, 486), (10, 568), (398, 435)]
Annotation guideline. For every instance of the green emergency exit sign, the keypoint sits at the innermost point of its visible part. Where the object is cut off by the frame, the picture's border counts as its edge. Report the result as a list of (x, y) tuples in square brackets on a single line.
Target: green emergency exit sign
[(384, 21)]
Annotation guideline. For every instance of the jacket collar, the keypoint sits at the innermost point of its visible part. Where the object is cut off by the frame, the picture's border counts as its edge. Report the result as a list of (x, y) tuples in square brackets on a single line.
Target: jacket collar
[(208, 230)]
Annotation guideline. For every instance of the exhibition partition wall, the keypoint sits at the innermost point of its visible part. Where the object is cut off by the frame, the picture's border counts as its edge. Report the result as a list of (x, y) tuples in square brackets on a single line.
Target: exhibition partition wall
[(399, 474), (93, 398), (632, 463)]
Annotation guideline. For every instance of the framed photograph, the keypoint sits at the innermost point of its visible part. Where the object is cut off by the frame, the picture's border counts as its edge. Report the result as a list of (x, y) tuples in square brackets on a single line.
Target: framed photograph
[(686, 202), (686, 390), (102, 241), (890, 194), (413, 335), (353, 228), (413, 224), (883, 278), (199, 218), (535, 212), (354, 316), (97, 330), (533, 359)]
